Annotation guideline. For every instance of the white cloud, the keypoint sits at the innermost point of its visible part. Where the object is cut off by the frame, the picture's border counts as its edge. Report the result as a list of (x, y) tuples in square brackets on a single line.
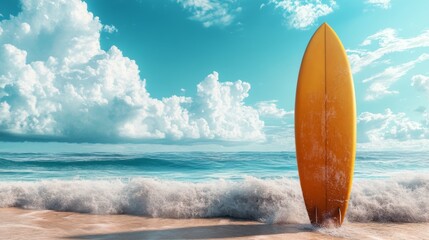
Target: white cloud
[(381, 82), (377, 127), (110, 28), (64, 29), (211, 12), (218, 112), (379, 3), (303, 14), (386, 42), (420, 82), (56, 81), (25, 28), (270, 109)]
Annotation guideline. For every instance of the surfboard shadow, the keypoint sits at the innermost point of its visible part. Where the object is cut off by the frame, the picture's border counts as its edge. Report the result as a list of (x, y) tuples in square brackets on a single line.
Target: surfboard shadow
[(203, 232)]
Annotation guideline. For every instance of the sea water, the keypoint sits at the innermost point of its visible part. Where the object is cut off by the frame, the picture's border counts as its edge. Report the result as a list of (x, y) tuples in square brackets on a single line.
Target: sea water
[(262, 186)]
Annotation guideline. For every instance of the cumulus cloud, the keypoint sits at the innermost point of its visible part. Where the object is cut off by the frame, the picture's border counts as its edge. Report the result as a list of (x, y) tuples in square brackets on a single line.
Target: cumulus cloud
[(218, 112), (270, 109), (420, 82), (303, 14), (379, 3), (378, 127), (110, 28), (381, 82), (386, 42), (211, 12), (57, 82)]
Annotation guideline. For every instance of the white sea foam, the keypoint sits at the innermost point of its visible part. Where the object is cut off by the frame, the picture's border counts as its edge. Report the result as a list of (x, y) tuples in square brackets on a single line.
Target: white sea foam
[(273, 201), (404, 199)]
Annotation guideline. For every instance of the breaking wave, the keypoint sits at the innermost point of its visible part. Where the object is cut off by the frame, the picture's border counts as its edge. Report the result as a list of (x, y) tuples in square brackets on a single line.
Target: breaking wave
[(272, 201)]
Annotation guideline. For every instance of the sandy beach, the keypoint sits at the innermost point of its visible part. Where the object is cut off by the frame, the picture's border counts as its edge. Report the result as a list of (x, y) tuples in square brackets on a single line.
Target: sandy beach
[(44, 224)]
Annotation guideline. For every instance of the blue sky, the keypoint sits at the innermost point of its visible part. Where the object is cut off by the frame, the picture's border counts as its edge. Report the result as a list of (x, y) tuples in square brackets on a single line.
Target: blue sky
[(218, 74)]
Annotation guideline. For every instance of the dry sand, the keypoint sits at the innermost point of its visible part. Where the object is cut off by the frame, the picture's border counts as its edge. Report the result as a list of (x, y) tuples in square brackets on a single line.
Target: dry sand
[(43, 224)]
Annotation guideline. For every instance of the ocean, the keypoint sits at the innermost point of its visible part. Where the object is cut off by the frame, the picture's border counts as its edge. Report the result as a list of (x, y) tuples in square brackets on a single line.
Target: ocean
[(261, 186)]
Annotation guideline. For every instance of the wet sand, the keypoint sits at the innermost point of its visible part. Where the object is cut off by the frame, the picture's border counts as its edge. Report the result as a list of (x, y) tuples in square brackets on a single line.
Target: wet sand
[(43, 224)]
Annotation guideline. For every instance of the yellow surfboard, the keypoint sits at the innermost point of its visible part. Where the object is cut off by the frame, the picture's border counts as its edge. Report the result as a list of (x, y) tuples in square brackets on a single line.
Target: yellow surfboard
[(325, 128)]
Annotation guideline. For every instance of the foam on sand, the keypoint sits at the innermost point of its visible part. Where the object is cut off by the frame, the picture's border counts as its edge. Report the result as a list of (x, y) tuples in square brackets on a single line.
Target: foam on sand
[(41, 224)]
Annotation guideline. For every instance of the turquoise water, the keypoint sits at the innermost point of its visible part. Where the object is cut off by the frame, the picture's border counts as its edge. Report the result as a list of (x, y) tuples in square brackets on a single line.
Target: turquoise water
[(194, 166), (262, 186)]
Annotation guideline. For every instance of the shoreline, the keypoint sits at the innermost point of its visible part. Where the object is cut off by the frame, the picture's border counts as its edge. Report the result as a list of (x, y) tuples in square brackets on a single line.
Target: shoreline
[(16, 223)]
